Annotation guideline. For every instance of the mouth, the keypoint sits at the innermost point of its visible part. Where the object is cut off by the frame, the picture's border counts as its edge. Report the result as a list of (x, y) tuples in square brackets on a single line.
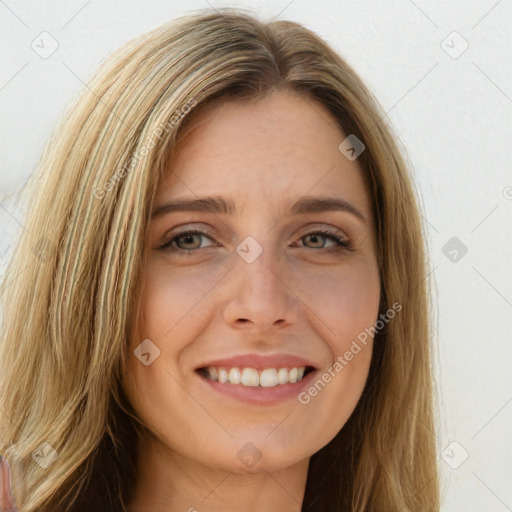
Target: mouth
[(253, 378), (256, 381)]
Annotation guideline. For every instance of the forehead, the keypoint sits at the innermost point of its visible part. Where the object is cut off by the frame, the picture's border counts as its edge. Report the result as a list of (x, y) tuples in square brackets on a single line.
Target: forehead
[(276, 149)]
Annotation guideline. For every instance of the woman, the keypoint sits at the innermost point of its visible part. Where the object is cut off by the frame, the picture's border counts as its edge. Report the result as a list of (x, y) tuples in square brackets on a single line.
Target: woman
[(255, 369)]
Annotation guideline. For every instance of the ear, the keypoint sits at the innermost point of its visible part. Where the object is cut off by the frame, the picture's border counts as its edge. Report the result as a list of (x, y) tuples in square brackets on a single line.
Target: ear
[(6, 497)]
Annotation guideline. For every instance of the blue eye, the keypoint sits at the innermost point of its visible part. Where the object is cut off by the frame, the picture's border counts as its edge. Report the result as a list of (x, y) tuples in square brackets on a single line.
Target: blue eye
[(173, 243)]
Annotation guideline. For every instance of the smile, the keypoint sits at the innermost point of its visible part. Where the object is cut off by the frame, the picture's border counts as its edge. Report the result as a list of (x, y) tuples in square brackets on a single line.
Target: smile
[(250, 377)]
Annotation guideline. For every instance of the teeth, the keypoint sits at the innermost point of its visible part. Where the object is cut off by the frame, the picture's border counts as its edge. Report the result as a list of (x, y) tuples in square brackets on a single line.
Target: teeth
[(282, 375), (269, 377), (223, 376), (250, 377), (234, 376)]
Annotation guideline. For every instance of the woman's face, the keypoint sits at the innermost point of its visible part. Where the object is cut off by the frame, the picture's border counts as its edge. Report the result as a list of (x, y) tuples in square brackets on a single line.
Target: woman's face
[(258, 293)]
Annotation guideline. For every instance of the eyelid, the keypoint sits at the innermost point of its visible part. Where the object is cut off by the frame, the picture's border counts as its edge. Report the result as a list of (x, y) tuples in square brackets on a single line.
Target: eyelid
[(184, 228), (328, 229)]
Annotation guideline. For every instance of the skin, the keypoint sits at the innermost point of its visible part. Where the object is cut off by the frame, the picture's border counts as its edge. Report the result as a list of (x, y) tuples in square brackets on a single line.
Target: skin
[(6, 497), (295, 298)]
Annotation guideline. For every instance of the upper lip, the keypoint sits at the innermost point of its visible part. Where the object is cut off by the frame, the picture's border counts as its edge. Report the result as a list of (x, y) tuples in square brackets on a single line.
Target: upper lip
[(259, 362)]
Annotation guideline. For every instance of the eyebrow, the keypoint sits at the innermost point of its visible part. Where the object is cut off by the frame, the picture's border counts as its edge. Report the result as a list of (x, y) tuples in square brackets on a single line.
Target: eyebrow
[(221, 205)]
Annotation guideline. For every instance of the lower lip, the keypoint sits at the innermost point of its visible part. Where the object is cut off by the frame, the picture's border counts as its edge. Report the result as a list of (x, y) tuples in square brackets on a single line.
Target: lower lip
[(259, 395)]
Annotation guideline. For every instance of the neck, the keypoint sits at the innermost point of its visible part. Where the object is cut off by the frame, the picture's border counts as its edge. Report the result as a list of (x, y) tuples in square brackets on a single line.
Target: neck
[(168, 482)]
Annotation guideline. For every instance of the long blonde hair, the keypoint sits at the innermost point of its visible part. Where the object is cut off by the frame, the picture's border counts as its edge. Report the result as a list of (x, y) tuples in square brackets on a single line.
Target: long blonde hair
[(71, 290)]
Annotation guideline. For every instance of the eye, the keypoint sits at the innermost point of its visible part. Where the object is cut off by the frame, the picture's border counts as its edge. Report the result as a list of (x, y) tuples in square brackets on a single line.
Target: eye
[(340, 244), (190, 241)]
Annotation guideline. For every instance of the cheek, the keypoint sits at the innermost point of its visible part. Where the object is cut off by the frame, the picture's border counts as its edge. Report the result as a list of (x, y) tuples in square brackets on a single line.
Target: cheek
[(342, 302), (171, 299), (171, 305), (343, 305)]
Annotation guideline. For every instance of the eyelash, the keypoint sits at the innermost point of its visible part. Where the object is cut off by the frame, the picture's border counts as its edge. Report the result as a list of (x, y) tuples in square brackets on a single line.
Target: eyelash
[(342, 245)]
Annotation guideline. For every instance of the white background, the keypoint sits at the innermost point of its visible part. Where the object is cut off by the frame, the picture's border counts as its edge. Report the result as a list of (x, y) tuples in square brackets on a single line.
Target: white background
[(453, 116)]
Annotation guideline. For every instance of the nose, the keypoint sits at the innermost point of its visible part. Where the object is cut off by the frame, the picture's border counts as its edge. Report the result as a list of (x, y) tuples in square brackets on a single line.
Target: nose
[(259, 296)]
